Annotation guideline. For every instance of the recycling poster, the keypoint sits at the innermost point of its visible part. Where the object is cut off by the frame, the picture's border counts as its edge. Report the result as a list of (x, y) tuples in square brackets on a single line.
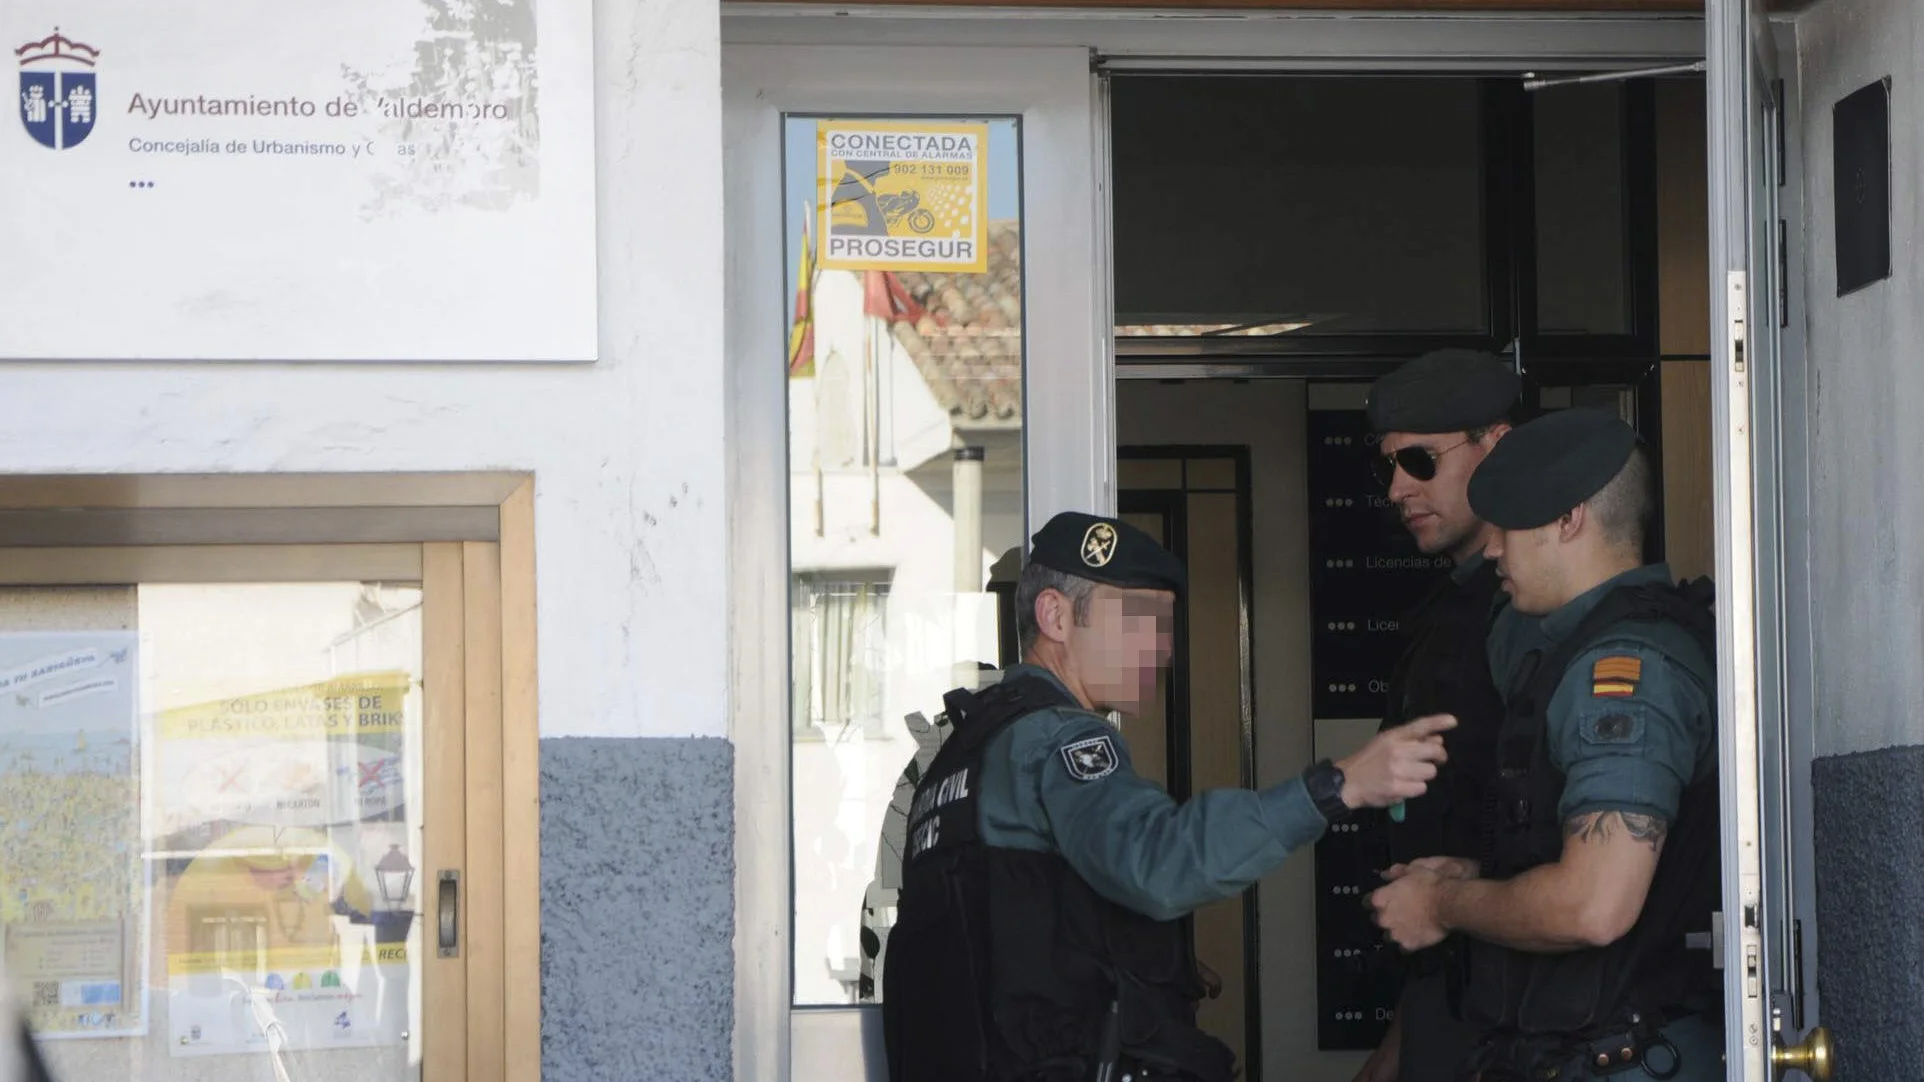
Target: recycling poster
[(274, 810)]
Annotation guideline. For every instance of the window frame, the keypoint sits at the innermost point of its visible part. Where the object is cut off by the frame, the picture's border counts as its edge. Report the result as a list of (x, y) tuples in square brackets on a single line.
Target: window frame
[(822, 584), (1509, 265), (468, 539), (1068, 448)]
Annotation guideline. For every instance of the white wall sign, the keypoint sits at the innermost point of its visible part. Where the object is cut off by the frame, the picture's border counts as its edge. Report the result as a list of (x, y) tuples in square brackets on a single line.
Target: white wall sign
[(400, 180)]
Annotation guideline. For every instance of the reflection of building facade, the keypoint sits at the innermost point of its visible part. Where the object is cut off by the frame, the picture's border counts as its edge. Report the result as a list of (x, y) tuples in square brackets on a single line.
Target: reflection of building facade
[(905, 403)]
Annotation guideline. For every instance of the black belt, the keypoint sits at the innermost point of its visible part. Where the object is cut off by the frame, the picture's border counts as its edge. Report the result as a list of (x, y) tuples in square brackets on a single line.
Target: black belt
[(1518, 1058)]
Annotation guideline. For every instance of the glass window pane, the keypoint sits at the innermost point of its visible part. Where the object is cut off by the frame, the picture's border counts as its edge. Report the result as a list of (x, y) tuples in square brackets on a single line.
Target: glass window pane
[(1582, 217), (213, 813), (1298, 204), (906, 486)]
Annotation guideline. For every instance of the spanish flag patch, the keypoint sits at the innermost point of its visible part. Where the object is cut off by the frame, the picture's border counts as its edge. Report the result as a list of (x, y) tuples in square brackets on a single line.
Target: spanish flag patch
[(1615, 677)]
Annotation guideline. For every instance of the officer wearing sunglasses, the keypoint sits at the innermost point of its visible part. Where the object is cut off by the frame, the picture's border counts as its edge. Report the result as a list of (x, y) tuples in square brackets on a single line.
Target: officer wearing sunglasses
[(1435, 419)]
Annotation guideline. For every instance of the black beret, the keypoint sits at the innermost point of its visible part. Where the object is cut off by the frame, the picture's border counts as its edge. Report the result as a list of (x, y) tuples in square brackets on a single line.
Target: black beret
[(1106, 550), (1451, 390), (1542, 469)]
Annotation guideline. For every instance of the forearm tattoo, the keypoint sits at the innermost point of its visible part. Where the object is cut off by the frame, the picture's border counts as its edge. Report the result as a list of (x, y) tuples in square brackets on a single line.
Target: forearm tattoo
[(1602, 826)]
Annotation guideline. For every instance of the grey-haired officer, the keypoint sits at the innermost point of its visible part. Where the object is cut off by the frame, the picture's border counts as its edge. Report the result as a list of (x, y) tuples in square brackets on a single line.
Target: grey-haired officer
[(1036, 934), (1606, 857), (1436, 419)]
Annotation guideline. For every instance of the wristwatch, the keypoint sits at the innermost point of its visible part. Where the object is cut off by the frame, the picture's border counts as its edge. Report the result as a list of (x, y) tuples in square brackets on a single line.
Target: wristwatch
[(1325, 784)]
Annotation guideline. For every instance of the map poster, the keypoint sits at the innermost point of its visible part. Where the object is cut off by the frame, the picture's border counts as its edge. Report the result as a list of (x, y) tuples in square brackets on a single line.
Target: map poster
[(281, 814), (361, 180), (73, 887), (903, 196)]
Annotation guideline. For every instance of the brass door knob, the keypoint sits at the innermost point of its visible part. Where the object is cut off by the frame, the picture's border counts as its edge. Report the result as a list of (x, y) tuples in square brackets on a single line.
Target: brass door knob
[(1812, 1057)]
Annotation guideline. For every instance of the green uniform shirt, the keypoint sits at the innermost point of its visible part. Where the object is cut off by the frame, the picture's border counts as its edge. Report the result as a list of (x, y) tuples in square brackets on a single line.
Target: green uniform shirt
[(1120, 832), (1631, 753), (1634, 752)]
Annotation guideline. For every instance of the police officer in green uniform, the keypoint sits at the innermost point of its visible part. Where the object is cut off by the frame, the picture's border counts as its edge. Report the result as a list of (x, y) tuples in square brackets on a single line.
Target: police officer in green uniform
[(1605, 856), (1037, 933), (1435, 420)]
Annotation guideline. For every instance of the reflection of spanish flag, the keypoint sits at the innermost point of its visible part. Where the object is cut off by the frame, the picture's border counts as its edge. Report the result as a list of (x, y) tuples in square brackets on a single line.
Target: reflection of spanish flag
[(1615, 677), (801, 335)]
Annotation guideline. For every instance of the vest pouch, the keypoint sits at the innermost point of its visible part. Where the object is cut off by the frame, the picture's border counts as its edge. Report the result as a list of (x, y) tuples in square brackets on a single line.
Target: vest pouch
[(1567, 993), (1047, 965), (1486, 970), (1537, 993), (1156, 1036), (1157, 989), (933, 984)]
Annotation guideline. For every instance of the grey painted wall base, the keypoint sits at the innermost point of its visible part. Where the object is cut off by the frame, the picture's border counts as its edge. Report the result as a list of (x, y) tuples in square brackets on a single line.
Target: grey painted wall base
[(637, 909), (1866, 813)]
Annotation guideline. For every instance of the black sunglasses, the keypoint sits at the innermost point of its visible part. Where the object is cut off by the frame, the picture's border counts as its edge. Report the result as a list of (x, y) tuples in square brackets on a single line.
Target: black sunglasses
[(1418, 462)]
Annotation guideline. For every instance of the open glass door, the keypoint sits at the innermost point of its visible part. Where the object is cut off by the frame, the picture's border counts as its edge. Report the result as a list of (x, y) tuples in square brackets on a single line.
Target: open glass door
[(1763, 983), (919, 374)]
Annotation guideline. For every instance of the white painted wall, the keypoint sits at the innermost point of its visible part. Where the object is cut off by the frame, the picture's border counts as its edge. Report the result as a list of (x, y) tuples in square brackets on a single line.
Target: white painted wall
[(628, 453), (1866, 386)]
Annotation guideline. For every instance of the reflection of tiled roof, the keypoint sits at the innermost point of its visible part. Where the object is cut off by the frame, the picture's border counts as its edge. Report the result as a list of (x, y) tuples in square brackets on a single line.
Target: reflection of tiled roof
[(967, 338)]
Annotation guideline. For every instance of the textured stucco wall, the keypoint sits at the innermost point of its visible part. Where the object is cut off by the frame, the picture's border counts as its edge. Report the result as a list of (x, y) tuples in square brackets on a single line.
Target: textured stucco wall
[(1866, 567), (1870, 890), (627, 452), (637, 909)]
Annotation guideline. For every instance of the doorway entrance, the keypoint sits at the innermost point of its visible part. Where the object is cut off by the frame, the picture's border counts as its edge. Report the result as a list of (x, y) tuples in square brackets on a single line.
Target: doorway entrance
[(1315, 232), (1197, 733), (928, 348)]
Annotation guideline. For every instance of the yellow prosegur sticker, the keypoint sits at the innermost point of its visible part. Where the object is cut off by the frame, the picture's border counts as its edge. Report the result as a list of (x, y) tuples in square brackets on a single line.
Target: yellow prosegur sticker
[(903, 196)]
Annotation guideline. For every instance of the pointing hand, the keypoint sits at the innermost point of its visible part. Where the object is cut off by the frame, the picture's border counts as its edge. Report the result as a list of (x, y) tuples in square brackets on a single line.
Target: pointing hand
[(1397, 764)]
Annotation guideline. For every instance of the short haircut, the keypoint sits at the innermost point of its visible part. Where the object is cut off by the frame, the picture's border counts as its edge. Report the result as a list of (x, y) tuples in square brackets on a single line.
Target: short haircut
[(1035, 579), (1624, 507)]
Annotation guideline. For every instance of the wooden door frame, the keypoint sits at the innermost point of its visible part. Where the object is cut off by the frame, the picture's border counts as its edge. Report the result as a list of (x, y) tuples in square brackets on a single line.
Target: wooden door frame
[(1172, 502), (468, 538)]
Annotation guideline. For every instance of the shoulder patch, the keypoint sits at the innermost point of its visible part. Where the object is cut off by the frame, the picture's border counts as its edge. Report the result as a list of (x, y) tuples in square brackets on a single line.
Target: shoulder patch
[(1090, 759), (1616, 676), (1617, 724)]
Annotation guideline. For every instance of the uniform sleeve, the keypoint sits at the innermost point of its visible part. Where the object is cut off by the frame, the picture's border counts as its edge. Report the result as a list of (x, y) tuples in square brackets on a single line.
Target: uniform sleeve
[(1629, 728), (1137, 847)]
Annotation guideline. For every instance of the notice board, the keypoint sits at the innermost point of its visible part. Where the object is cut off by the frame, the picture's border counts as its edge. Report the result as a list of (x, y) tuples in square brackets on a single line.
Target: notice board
[(362, 180)]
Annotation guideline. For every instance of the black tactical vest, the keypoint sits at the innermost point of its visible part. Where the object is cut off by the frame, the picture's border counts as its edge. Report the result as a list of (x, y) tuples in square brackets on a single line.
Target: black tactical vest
[(1542, 1003), (1446, 670), (1005, 965)]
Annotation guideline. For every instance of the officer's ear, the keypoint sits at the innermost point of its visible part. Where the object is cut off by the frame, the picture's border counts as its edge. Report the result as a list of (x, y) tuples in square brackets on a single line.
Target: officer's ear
[(1055, 614), (1572, 522), (1492, 433)]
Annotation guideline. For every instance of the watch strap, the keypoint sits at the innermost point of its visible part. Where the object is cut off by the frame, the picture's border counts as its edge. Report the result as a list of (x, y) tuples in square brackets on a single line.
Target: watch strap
[(1325, 784)]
